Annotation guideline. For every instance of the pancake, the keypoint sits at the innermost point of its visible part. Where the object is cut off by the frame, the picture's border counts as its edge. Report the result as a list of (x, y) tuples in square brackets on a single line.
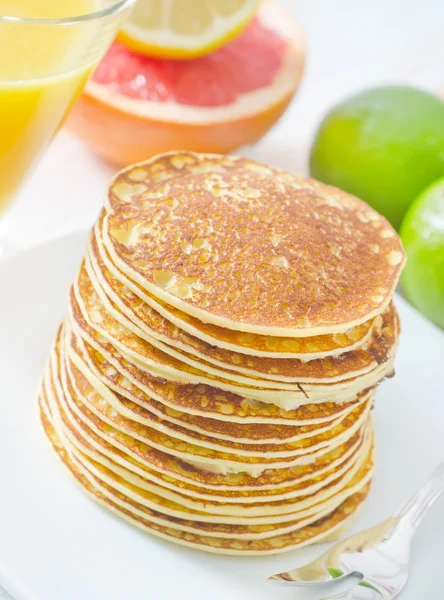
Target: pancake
[(173, 474), (130, 339), (199, 399), (247, 247), (126, 294), (288, 399), (149, 481), (142, 408), (165, 460), (96, 323), (259, 512), (98, 414), (302, 536), (274, 512), (165, 507), (146, 323), (247, 433), (213, 380), (138, 423), (220, 402)]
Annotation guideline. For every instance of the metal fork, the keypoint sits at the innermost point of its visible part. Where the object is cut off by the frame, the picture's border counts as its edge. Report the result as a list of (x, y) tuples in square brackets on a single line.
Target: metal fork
[(377, 557)]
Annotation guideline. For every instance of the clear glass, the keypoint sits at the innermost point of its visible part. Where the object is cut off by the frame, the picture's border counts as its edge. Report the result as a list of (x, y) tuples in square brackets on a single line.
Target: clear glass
[(45, 62)]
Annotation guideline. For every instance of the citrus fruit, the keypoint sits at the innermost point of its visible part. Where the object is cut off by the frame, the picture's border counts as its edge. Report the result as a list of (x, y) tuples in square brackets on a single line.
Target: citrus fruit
[(422, 234), (384, 145), (135, 106), (185, 28)]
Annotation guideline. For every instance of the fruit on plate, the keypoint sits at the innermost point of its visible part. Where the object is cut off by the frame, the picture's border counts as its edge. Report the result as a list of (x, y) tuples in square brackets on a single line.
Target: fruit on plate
[(385, 145), (185, 28), (136, 106), (422, 233)]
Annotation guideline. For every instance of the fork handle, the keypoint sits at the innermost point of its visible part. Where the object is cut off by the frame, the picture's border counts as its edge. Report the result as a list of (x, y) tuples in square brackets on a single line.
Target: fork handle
[(415, 509)]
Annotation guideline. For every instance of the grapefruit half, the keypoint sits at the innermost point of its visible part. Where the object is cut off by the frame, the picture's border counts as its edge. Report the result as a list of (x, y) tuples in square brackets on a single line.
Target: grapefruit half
[(135, 106)]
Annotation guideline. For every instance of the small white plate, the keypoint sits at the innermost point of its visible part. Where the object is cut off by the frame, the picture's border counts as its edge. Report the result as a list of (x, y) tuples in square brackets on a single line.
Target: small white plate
[(56, 544)]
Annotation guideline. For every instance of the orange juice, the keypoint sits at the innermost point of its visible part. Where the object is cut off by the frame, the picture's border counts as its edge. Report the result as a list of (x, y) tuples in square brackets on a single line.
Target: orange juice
[(43, 68)]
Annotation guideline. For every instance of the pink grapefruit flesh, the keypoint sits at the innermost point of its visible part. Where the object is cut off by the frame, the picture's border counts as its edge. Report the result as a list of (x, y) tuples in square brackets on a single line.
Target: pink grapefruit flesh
[(246, 64)]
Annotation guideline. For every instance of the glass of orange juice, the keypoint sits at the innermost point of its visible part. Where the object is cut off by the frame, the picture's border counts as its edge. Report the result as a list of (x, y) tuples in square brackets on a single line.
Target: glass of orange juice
[(48, 48)]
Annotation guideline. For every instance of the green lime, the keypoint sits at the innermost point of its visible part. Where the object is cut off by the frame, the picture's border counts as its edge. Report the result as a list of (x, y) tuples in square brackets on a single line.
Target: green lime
[(422, 233), (385, 145)]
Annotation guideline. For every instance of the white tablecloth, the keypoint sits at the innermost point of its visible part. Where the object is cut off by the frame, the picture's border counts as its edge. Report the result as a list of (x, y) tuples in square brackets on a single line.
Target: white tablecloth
[(351, 45)]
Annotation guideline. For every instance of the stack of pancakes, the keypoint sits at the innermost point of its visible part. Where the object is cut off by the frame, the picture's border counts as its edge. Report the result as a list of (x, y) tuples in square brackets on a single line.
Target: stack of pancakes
[(214, 378)]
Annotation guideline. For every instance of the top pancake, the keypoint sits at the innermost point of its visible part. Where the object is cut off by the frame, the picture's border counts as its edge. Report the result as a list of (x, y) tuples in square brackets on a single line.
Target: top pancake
[(250, 248), (128, 294)]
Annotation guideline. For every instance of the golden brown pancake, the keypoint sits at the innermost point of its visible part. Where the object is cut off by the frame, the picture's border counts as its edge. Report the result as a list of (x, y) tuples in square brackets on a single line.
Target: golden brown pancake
[(91, 317), (96, 412), (213, 380), (266, 511), (246, 432), (260, 510), (178, 491), (140, 424), (199, 400), (171, 473), (251, 248), (301, 536), (149, 325), (128, 339), (106, 440), (141, 407), (190, 495), (126, 294), (240, 525)]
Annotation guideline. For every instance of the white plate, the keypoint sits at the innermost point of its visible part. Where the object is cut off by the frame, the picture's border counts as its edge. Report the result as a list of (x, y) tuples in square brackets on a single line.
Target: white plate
[(56, 544)]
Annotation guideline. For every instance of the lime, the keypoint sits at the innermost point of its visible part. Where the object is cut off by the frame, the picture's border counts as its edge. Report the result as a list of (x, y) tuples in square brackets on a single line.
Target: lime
[(385, 145), (422, 233)]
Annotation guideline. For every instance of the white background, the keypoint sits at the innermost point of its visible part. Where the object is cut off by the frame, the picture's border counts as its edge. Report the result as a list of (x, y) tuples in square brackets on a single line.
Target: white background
[(351, 44)]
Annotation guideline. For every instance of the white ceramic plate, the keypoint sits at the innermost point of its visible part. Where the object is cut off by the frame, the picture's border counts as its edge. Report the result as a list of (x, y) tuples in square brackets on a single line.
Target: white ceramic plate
[(56, 544)]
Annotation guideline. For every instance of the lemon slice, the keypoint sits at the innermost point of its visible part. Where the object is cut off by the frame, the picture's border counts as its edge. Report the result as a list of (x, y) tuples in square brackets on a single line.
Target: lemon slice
[(184, 28)]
